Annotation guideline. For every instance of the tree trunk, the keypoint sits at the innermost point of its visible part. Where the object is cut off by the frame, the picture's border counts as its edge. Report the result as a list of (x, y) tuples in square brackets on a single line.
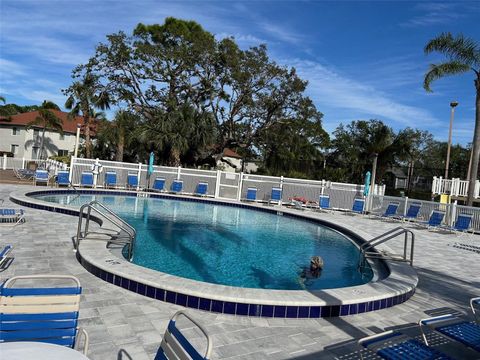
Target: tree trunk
[(174, 157), (475, 146), (120, 145), (88, 141), (42, 142)]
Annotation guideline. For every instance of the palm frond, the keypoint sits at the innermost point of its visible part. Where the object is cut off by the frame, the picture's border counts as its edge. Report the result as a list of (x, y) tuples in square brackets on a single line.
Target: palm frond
[(437, 71), (458, 49)]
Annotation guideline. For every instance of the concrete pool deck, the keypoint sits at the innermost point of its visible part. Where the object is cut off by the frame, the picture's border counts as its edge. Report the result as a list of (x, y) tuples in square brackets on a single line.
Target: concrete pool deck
[(116, 318)]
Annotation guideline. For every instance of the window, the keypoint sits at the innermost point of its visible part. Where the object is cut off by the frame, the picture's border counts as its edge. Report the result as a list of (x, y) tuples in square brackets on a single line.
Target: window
[(62, 152), (15, 131), (62, 136), (35, 151), (14, 149)]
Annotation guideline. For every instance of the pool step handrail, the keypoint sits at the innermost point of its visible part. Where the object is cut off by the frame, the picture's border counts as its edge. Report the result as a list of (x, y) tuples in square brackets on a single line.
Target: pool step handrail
[(367, 248), (75, 190), (125, 235)]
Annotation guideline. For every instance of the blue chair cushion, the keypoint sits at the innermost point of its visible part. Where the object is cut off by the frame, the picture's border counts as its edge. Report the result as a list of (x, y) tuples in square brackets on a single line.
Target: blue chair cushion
[(465, 332)]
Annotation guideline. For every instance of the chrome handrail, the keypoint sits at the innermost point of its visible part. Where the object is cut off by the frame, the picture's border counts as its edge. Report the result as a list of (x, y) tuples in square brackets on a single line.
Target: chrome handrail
[(111, 216), (387, 236)]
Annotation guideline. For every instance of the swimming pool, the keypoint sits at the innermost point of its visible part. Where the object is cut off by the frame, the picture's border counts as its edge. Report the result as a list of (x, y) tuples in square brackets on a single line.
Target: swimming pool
[(231, 245)]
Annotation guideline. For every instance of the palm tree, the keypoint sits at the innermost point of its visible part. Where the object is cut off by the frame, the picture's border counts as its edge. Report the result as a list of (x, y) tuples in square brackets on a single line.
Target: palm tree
[(2, 99), (83, 97), (46, 119), (463, 55)]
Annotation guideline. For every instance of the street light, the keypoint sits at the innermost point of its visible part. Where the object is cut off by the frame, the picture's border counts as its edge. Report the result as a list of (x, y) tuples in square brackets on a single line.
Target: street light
[(453, 104)]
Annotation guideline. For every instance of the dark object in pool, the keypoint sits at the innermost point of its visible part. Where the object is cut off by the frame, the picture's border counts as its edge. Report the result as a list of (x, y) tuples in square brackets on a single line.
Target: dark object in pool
[(316, 263)]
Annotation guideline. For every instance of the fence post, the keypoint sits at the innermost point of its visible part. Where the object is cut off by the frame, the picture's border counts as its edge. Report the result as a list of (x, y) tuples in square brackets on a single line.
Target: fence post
[(240, 185), (405, 206), (217, 184), (4, 161), (453, 213), (70, 173), (139, 173), (434, 185), (477, 189), (179, 172)]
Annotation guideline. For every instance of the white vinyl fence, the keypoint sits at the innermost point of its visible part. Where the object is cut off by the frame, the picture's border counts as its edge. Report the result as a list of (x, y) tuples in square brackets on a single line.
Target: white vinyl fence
[(454, 187), (10, 163), (223, 184), (379, 203)]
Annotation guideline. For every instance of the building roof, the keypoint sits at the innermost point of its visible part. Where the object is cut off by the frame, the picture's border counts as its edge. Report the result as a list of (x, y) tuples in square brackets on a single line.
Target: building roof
[(69, 125), (230, 153)]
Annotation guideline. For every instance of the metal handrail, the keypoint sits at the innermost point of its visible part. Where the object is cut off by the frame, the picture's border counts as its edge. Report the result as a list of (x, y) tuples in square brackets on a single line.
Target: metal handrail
[(78, 193), (389, 235), (110, 216)]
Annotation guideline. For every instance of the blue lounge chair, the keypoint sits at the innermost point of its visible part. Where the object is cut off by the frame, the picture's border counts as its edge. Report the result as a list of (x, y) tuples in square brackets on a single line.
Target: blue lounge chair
[(177, 186), (11, 217), (110, 179), (358, 206), (86, 179), (412, 212), (3, 254), (44, 314), (453, 327), (132, 181), (395, 346), (435, 220), (390, 211), (324, 203), (63, 178), (202, 189), (276, 195), (462, 224), (176, 346), (41, 176), (251, 194), (159, 184)]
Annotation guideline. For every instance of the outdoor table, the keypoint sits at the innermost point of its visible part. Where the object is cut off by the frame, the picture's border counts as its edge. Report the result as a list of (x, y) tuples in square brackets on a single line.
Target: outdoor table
[(29, 350)]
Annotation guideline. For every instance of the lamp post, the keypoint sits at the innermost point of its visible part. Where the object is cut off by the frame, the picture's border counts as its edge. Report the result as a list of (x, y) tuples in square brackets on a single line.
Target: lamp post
[(453, 104)]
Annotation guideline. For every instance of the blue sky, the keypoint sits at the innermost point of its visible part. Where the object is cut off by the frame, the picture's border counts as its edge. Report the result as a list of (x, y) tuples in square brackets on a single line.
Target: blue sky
[(363, 59)]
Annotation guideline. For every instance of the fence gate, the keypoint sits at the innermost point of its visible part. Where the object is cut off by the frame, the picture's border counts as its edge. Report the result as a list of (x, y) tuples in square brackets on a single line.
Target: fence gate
[(228, 185)]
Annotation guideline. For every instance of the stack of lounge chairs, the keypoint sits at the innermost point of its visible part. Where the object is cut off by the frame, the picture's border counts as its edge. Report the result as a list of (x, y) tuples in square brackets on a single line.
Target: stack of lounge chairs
[(395, 345)]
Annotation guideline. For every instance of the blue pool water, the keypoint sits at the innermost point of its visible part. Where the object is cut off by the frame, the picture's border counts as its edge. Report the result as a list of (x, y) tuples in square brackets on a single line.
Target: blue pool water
[(232, 246)]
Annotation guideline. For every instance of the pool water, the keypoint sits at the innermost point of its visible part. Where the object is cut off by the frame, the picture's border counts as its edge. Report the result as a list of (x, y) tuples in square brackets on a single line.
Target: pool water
[(230, 245)]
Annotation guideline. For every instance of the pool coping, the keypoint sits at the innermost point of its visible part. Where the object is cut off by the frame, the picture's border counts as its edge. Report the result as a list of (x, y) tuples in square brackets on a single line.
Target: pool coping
[(396, 288)]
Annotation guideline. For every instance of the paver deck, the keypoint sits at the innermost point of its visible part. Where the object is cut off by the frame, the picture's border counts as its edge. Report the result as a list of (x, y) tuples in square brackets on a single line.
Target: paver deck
[(118, 319)]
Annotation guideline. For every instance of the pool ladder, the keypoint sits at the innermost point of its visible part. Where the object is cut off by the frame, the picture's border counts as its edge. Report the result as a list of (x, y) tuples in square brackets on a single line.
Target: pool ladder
[(123, 234), (367, 250)]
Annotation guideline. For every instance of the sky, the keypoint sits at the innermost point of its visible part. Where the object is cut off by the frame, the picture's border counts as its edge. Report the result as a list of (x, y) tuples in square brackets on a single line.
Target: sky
[(362, 59)]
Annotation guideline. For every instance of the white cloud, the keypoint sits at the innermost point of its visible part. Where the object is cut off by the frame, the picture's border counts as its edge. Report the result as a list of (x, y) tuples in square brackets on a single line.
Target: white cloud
[(330, 89)]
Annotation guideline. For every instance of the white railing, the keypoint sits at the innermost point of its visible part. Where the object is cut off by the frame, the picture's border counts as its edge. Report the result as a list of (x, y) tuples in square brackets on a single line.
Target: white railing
[(223, 184), (378, 204), (453, 187), (9, 163)]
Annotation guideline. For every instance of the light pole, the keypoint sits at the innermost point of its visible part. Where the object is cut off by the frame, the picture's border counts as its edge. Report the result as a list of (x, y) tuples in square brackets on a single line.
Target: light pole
[(453, 104)]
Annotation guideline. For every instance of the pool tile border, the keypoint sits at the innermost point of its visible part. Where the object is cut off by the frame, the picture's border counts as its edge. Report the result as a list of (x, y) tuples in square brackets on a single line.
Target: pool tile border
[(244, 309), (209, 304)]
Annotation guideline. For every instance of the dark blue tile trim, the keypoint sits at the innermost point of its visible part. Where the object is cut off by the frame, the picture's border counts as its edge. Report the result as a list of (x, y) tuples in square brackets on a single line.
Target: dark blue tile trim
[(278, 311)]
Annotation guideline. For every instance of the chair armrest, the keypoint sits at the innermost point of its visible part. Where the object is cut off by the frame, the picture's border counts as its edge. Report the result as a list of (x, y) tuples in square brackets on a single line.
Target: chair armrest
[(475, 306), (435, 321), (81, 332)]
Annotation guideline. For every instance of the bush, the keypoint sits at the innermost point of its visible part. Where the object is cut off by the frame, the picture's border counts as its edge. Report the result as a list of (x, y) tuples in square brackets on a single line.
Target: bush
[(63, 159)]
